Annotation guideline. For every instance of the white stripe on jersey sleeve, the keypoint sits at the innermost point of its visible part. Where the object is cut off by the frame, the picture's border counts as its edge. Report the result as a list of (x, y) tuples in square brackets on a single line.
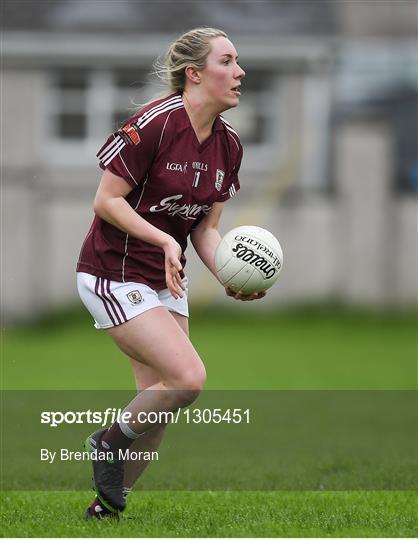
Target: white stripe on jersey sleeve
[(114, 152), (145, 115), (116, 147), (165, 109), (109, 147), (118, 143)]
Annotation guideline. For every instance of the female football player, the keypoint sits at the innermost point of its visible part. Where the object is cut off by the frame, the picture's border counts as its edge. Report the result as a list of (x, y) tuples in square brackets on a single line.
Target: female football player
[(167, 174)]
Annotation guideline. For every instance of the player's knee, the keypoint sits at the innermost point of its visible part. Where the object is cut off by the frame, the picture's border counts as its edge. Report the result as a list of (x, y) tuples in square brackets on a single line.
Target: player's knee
[(194, 378), (189, 384)]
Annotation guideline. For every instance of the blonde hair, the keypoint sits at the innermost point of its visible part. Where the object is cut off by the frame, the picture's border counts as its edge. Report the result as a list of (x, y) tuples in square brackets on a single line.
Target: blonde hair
[(191, 48)]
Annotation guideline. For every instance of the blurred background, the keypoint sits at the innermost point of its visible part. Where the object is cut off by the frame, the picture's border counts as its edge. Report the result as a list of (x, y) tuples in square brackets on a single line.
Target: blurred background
[(328, 118)]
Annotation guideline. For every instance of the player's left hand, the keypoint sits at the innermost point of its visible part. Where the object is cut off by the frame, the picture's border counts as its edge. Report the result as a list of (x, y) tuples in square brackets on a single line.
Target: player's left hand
[(245, 297)]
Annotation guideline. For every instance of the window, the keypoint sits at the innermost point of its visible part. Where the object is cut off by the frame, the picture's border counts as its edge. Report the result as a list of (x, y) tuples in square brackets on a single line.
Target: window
[(82, 106), (404, 113), (68, 110)]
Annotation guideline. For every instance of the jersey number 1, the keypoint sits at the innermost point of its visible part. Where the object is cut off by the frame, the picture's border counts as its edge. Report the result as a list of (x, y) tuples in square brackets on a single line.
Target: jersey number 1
[(196, 179)]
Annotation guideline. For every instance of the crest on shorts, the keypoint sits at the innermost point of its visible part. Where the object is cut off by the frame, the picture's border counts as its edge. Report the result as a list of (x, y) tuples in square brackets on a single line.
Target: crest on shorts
[(130, 134), (134, 297), (219, 179)]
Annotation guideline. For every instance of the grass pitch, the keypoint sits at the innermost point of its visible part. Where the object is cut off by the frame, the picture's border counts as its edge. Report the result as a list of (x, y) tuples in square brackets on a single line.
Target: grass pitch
[(217, 514), (303, 349), (316, 349)]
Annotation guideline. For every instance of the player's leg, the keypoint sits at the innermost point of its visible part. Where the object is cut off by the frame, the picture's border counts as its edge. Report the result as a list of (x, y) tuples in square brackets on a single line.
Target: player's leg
[(149, 441), (156, 339), (145, 376)]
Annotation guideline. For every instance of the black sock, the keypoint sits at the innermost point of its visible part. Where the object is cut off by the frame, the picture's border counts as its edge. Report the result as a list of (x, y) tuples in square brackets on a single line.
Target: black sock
[(114, 439)]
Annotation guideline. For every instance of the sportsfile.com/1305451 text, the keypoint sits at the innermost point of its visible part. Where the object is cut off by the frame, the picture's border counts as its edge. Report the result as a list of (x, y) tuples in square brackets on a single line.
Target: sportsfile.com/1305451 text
[(110, 415)]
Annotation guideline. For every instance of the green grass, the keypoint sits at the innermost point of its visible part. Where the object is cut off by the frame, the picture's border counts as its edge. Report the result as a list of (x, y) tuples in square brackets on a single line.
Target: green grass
[(217, 514), (305, 349), (301, 349)]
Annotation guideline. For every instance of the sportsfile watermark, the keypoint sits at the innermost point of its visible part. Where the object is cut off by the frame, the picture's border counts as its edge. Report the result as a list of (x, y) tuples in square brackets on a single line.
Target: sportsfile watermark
[(225, 440), (111, 415)]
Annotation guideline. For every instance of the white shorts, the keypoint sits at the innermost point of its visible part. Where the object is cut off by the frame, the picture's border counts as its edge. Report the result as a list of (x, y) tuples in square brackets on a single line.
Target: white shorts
[(111, 303)]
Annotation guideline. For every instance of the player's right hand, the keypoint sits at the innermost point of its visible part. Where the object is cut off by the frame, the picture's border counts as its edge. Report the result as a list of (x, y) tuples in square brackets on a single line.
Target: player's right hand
[(173, 267), (245, 297)]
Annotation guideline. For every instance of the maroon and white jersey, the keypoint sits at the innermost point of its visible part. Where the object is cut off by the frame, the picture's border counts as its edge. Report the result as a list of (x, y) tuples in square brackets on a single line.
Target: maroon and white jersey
[(175, 181)]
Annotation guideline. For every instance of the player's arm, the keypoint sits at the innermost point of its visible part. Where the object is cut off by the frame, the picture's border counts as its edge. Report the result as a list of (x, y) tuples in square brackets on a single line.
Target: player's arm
[(205, 237), (110, 204)]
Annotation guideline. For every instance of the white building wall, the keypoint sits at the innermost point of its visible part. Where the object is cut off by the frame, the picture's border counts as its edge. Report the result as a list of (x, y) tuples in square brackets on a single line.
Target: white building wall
[(17, 245), (403, 252), (21, 110), (363, 171)]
